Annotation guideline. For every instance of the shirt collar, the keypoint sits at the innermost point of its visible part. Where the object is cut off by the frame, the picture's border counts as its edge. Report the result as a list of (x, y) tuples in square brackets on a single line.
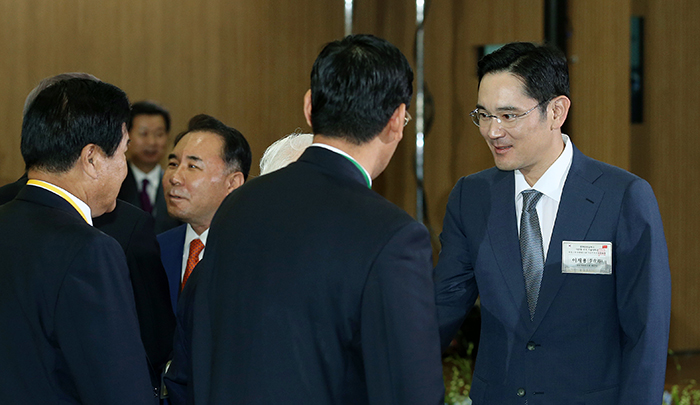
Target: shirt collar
[(552, 181), (364, 171), (82, 208), (191, 235)]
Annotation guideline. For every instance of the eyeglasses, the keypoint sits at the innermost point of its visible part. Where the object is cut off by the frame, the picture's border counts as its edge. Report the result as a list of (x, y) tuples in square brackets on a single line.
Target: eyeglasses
[(407, 119), (505, 120)]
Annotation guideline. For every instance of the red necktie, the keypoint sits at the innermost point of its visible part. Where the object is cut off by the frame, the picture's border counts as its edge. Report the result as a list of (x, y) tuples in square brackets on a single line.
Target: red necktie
[(196, 247)]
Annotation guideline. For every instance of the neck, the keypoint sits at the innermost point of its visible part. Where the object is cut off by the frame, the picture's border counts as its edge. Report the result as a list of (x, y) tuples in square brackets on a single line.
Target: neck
[(533, 174), (64, 180), (145, 167), (200, 228), (364, 153)]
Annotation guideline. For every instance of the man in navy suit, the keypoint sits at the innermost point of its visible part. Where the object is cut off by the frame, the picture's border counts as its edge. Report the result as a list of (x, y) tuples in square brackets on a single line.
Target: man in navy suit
[(567, 254), (209, 161), (70, 328), (315, 289)]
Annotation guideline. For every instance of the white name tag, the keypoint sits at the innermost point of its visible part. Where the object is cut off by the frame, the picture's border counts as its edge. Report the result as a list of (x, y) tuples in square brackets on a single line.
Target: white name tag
[(586, 257)]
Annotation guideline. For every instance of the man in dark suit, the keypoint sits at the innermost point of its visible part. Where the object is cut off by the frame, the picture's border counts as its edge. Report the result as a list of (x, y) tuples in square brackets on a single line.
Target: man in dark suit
[(71, 333), (567, 254), (209, 161), (314, 288), (149, 127), (133, 229)]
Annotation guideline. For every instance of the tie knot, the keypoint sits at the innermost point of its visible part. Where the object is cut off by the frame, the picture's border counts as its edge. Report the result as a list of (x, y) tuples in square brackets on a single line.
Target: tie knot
[(196, 247), (145, 184), (530, 199)]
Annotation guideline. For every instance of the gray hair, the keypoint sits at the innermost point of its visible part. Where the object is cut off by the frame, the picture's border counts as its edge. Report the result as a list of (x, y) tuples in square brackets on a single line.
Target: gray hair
[(50, 81), (284, 151)]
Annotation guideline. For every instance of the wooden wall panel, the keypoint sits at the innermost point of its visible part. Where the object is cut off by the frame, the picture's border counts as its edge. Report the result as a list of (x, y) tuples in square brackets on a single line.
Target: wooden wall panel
[(667, 150), (244, 62), (599, 119)]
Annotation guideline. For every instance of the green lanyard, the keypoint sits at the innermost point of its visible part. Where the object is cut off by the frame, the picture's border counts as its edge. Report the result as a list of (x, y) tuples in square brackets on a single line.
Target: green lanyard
[(361, 169)]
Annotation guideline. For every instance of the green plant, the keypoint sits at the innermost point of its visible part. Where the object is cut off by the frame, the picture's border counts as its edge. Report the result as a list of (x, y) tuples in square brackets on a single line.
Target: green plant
[(685, 395), (457, 368)]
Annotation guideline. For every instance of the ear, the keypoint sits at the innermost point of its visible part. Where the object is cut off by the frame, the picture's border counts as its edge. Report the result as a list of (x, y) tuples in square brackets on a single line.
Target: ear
[(393, 132), (560, 109), (233, 181), (89, 159), (307, 107)]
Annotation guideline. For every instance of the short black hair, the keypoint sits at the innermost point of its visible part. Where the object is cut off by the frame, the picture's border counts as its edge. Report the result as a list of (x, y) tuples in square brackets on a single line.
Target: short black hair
[(236, 153), (356, 85), (69, 115), (148, 108), (542, 68)]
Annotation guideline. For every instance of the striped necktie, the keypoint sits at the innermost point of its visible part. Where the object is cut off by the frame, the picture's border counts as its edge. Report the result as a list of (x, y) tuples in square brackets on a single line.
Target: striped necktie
[(531, 250)]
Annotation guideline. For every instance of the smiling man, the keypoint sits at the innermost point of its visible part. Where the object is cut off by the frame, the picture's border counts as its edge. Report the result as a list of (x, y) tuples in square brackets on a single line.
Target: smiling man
[(567, 254), (209, 161)]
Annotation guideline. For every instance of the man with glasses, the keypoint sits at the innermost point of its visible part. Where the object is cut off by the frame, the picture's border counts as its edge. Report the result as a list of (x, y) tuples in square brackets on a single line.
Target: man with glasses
[(567, 254)]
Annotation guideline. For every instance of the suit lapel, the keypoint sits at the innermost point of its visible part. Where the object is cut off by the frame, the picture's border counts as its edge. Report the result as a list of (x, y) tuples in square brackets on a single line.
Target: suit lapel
[(579, 203), (503, 234)]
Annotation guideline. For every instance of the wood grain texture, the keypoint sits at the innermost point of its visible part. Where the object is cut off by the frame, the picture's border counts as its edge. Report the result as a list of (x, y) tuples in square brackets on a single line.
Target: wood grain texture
[(244, 62), (667, 150), (599, 68)]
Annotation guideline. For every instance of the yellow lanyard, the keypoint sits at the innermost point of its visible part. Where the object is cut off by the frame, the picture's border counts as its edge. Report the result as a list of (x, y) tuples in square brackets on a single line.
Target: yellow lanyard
[(60, 192)]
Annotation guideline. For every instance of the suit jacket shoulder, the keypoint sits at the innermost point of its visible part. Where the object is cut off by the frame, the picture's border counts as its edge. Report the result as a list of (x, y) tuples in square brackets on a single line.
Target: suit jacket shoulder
[(9, 191), (83, 293)]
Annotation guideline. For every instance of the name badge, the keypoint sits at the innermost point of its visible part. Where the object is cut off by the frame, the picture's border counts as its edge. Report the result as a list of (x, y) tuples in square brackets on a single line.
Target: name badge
[(586, 257)]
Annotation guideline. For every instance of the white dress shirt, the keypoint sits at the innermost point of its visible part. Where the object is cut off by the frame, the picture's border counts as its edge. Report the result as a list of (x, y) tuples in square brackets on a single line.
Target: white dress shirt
[(551, 185)]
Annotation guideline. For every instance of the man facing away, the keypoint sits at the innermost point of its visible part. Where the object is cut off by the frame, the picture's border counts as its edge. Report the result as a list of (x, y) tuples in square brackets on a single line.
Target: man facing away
[(315, 289), (133, 229), (567, 254), (209, 161), (149, 128), (70, 330)]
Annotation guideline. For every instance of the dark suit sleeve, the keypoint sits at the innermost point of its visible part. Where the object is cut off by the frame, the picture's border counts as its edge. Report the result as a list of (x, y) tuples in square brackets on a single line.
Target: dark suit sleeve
[(643, 282), (151, 292), (455, 285), (97, 330), (178, 375), (399, 331)]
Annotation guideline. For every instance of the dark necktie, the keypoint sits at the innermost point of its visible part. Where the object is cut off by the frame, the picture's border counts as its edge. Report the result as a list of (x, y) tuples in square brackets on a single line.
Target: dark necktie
[(145, 199), (196, 247), (531, 248)]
